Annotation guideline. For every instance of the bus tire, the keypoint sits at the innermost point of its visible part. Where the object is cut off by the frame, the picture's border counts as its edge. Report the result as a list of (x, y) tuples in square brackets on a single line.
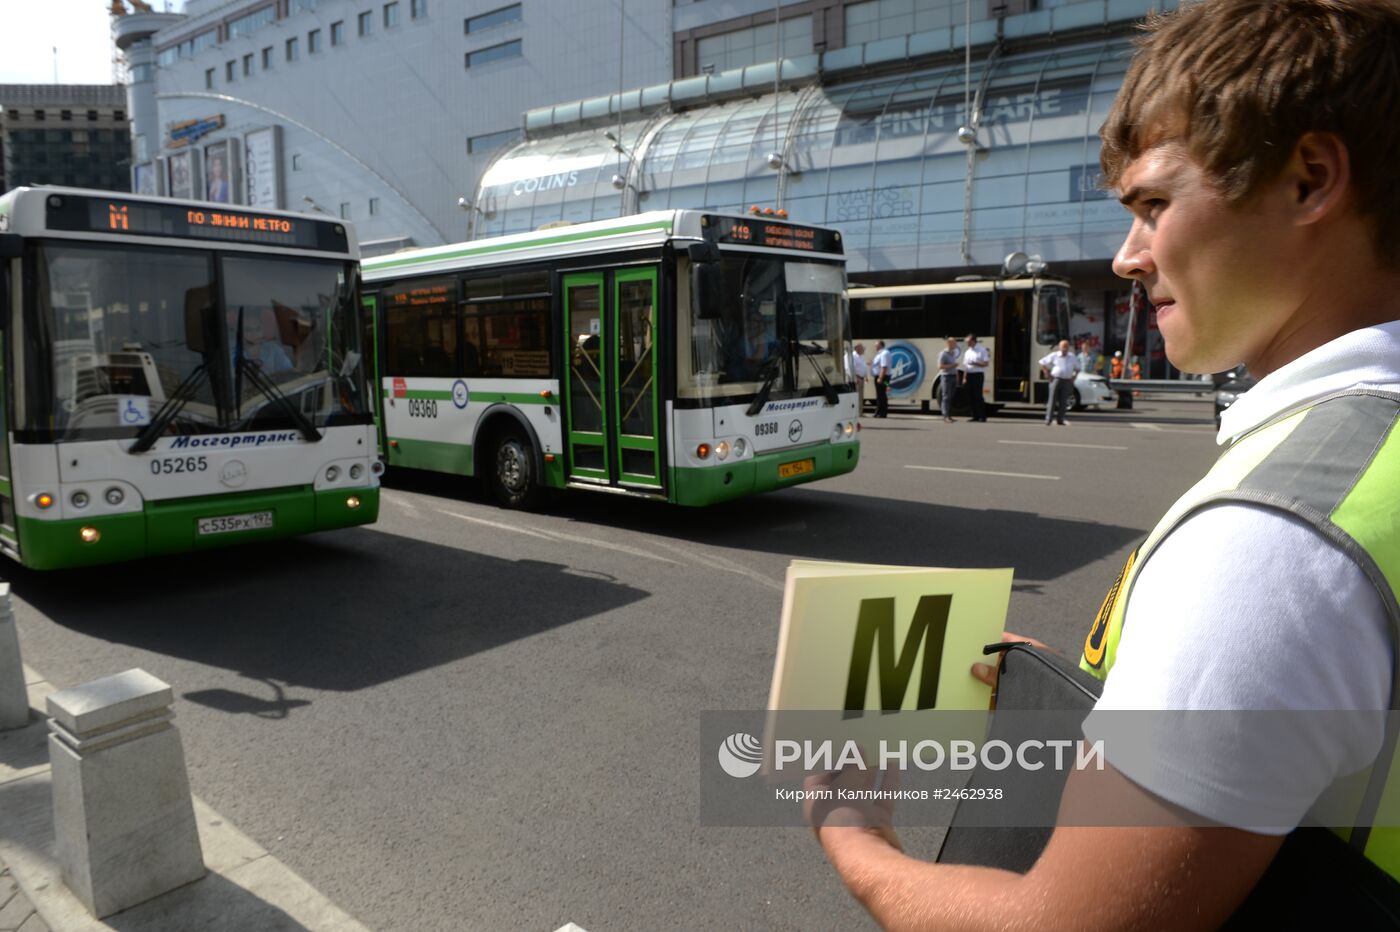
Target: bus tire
[(511, 476)]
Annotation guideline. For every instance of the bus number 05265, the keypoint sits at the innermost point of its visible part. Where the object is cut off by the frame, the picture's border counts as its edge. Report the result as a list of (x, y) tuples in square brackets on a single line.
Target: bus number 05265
[(178, 464)]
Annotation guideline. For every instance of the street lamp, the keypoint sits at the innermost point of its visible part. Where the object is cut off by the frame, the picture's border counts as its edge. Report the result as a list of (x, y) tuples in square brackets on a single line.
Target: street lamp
[(473, 211), (620, 180)]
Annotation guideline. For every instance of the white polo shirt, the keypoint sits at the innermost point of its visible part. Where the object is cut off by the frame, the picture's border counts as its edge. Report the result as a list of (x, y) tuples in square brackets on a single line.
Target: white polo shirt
[(883, 360), (976, 358), (1061, 367), (1243, 607)]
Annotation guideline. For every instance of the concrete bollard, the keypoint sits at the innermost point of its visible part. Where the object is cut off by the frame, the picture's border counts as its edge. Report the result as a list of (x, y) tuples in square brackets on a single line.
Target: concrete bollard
[(124, 824), (14, 700)]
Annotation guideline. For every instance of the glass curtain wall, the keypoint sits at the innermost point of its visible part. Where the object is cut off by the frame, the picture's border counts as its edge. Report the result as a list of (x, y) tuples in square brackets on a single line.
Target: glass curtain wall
[(879, 159)]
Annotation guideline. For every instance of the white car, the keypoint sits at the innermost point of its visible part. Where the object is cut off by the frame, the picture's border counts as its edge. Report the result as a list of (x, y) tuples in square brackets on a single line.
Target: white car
[(1090, 391)]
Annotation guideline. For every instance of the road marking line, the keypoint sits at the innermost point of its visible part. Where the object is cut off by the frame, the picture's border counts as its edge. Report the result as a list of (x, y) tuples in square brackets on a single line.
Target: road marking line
[(1051, 443), (721, 564), (558, 537), (984, 472), (1141, 426)]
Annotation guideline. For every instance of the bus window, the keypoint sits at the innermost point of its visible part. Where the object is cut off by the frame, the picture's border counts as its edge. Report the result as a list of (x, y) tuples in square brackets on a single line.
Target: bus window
[(1052, 316), (420, 328)]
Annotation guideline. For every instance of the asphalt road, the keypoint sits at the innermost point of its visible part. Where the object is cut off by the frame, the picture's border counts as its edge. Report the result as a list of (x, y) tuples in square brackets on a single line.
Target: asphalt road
[(465, 718)]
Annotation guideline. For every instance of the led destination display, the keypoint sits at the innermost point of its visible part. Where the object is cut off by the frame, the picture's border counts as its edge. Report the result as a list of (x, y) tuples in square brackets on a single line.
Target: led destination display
[(142, 218)]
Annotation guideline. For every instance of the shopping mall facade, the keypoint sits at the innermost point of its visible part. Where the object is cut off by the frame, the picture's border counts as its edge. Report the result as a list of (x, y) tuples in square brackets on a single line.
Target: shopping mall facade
[(936, 149)]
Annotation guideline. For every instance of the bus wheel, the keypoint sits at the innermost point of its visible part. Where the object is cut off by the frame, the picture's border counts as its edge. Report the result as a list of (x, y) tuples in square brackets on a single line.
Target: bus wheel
[(513, 481)]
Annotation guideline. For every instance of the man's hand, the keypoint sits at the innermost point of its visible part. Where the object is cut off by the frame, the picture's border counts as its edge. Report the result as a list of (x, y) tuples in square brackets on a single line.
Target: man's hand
[(830, 817), (987, 672)]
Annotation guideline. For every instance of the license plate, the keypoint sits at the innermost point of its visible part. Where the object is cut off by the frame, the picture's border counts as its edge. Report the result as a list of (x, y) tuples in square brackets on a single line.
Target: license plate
[(799, 468), (226, 524)]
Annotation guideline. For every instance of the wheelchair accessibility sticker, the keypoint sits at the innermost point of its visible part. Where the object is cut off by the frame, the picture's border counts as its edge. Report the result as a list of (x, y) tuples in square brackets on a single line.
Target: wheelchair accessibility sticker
[(134, 410)]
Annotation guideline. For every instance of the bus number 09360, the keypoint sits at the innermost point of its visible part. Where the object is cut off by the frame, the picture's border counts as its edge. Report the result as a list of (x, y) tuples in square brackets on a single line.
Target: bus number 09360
[(765, 428), (422, 408)]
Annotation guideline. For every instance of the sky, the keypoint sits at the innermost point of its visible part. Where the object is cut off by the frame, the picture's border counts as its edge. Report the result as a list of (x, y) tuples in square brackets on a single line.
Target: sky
[(80, 29)]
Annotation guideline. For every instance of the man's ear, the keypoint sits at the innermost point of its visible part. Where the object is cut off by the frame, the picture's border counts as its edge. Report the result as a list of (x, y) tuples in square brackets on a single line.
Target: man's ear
[(1319, 176)]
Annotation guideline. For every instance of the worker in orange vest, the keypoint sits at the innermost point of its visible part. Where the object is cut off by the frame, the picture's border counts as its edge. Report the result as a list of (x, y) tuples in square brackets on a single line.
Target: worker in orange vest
[(1137, 374), (1116, 369)]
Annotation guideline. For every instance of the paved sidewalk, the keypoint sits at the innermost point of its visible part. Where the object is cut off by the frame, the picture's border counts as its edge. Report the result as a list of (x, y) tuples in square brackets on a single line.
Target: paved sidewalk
[(245, 888), (17, 914)]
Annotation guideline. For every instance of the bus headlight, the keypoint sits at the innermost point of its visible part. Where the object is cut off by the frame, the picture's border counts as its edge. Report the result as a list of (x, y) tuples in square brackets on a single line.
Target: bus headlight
[(332, 473), (850, 429), (356, 471), (79, 499), (114, 496), (377, 467), (722, 450), (836, 434), (741, 446)]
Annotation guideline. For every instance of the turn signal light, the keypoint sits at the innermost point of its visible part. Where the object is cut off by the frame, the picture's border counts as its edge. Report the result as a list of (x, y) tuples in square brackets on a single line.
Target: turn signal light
[(546, 394), (352, 502), (44, 500), (90, 535), (703, 451)]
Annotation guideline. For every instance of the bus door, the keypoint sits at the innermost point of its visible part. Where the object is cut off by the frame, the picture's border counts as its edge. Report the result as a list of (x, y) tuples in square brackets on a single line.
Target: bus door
[(1013, 350), (9, 249), (610, 388), (369, 345)]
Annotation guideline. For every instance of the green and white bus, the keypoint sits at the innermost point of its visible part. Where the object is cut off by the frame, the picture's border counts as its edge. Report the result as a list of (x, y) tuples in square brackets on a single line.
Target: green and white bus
[(176, 375), (682, 356)]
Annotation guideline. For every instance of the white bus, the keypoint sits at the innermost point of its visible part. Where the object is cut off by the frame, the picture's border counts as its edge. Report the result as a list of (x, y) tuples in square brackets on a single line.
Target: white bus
[(1018, 320), (176, 375), (681, 356)]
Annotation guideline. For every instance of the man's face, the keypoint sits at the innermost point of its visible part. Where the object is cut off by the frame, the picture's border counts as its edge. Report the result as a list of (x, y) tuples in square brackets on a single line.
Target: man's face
[(1216, 272), (1064, 347), (952, 344)]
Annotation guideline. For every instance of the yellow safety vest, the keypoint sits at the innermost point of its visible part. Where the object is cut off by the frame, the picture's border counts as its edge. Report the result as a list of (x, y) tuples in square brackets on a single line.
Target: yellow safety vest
[(1334, 463)]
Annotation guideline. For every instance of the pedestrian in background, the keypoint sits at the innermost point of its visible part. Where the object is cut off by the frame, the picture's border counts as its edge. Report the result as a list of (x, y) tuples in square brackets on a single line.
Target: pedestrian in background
[(1060, 367), (881, 366), (975, 362), (1086, 359), (860, 371), (1116, 371), (948, 378)]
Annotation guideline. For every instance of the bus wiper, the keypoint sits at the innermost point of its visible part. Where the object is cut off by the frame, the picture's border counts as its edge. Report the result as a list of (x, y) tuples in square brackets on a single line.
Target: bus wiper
[(828, 390), (169, 409), (774, 368), (263, 384)]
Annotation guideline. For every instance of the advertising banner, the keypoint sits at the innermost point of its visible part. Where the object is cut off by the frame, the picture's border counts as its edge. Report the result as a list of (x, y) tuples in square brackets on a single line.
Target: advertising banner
[(262, 168)]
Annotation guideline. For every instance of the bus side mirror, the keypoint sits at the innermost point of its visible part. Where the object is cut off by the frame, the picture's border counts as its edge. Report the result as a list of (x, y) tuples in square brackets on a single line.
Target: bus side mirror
[(198, 301), (709, 280)]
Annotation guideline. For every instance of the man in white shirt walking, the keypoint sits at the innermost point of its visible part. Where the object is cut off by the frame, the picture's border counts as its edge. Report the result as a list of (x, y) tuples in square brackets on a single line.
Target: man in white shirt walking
[(975, 362), (1060, 367)]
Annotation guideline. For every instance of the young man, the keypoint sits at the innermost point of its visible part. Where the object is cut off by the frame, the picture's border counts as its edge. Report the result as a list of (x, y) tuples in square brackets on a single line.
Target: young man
[(1060, 367), (1254, 142)]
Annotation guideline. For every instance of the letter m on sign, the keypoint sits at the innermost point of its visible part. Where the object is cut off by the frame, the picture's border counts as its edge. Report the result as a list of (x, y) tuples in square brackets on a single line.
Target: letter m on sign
[(875, 637)]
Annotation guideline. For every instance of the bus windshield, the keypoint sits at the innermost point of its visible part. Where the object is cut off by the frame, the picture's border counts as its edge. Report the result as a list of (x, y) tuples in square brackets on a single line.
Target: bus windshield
[(769, 319), (116, 331)]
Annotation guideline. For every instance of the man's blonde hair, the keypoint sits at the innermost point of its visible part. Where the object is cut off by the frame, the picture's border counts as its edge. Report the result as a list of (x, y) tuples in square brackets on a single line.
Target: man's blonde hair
[(1238, 83)]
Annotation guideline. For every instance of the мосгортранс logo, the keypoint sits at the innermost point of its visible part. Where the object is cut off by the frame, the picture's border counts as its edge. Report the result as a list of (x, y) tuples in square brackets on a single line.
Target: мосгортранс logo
[(740, 755)]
